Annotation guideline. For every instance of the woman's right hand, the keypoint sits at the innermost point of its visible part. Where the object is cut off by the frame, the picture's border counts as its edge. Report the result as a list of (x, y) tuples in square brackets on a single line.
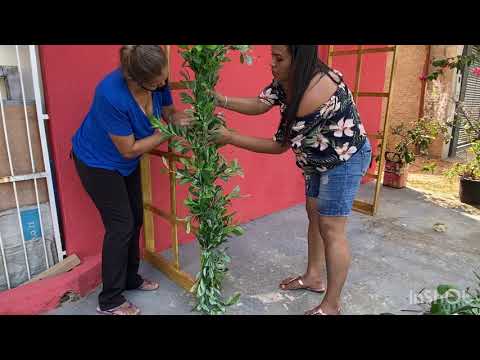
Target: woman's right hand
[(222, 136)]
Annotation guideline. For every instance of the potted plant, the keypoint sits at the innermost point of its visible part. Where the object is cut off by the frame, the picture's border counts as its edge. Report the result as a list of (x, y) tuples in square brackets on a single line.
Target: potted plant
[(397, 162), (468, 173), (414, 138), (469, 176)]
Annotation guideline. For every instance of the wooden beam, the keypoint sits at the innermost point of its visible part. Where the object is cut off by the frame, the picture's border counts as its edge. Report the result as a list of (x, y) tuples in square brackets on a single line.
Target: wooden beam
[(173, 210), (330, 56), (167, 50), (363, 207), (384, 128), (169, 217), (358, 73), (159, 212), (168, 154), (178, 85), (362, 51), (372, 94), (181, 278), (63, 266), (371, 176), (378, 136), (148, 225), (10, 179)]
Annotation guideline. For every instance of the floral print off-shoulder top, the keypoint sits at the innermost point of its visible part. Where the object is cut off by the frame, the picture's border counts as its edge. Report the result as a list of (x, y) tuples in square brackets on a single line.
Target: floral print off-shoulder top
[(328, 136)]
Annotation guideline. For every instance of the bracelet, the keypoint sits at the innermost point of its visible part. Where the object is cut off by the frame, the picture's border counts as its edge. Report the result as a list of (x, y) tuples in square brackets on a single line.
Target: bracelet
[(226, 101)]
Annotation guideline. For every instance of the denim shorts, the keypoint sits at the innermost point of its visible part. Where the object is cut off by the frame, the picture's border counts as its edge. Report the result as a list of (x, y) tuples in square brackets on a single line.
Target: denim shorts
[(335, 189)]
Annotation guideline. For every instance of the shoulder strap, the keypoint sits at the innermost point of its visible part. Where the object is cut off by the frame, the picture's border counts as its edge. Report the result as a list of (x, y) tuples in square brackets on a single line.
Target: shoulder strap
[(339, 79)]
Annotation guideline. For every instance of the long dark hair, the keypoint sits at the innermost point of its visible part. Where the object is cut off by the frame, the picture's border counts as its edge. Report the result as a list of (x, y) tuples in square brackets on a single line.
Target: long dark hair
[(305, 65)]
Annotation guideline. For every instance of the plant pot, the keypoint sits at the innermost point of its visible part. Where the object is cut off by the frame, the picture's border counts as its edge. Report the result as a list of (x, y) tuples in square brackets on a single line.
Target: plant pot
[(417, 150), (470, 191), (396, 172)]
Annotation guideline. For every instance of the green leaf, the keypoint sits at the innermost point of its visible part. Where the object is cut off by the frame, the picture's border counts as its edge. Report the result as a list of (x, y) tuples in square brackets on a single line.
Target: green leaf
[(442, 289), (237, 230), (235, 193), (448, 307), (233, 300), (186, 99)]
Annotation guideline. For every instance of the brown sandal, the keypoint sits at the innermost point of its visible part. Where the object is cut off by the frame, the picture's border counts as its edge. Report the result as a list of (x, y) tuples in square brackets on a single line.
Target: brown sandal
[(148, 285), (319, 311), (302, 286), (126, 308)]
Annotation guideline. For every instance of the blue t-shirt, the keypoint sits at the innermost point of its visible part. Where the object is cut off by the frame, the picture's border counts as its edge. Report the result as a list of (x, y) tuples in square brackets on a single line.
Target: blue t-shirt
[(114, 111)]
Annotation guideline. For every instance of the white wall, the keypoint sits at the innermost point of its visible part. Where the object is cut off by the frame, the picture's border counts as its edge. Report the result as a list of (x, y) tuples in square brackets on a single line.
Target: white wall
[(8, 55)]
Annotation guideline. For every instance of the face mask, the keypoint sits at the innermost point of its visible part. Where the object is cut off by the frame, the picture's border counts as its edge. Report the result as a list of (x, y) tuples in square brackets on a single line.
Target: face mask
[(159, 88)]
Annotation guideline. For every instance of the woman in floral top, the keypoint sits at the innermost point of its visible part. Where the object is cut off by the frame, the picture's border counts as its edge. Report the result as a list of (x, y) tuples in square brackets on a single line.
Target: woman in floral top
[(320, 122)]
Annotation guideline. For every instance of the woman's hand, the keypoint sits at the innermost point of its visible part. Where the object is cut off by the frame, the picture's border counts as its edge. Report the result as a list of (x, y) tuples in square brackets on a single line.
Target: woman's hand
[(219, 98), (222, 136), (180, 118)]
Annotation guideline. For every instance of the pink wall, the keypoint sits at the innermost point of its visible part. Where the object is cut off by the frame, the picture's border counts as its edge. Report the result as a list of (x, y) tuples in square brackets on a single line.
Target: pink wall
[(271, 183), (70, 74)]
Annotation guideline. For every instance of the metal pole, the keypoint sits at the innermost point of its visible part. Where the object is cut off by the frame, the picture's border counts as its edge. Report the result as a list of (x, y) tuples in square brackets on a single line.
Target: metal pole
[(43, 139), (7, 276), (32, 160)]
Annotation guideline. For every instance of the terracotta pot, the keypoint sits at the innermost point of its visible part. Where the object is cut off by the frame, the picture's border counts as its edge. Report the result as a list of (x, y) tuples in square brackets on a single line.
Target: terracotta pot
[(396, 172)]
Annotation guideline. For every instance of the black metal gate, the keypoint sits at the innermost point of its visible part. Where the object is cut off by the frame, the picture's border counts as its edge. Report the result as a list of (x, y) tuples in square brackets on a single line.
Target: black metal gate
[(470, 97)]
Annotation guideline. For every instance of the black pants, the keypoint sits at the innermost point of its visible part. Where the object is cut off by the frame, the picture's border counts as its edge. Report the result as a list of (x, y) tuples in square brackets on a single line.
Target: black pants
[(119, 200)]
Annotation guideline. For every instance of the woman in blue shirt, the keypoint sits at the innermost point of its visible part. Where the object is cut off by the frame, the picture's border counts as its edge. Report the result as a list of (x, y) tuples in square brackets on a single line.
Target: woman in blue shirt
[(107, 148)]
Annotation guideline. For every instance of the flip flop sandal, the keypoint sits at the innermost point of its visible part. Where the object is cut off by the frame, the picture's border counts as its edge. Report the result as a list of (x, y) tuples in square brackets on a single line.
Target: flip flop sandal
[(319, 311), (148, 285), (303, 287), (120, 310)]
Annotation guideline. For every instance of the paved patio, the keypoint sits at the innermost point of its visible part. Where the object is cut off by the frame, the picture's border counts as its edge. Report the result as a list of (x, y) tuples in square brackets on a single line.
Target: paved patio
[(394, 255)]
